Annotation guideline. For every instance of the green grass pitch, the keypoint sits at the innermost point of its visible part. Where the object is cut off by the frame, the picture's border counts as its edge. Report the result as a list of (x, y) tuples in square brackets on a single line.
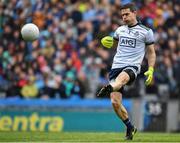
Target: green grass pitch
[(84, 137)]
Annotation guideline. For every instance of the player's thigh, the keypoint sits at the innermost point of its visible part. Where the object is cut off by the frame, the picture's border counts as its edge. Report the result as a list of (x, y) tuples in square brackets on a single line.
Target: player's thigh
[(123, 78), (116, 97)]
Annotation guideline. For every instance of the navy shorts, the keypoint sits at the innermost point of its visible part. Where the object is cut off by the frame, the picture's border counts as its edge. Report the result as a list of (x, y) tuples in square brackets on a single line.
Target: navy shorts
[(130, 70)]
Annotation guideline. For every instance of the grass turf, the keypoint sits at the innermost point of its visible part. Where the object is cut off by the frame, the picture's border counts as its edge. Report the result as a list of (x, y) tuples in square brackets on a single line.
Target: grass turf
[(93, 137)]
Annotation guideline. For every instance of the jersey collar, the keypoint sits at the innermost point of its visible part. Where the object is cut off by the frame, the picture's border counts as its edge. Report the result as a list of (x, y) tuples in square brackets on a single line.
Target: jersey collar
[(133, 25)]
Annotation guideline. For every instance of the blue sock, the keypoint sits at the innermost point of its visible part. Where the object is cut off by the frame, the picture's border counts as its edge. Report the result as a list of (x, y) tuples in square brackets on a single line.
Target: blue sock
[(128, 124)]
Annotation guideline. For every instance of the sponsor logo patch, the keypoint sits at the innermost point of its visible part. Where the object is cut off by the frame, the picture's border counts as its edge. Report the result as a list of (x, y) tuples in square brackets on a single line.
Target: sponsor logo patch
[(127, 42)]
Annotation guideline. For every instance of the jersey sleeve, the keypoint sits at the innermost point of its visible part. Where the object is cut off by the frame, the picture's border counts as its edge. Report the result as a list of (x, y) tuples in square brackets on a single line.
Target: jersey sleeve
[(150, 37), (116, 36)]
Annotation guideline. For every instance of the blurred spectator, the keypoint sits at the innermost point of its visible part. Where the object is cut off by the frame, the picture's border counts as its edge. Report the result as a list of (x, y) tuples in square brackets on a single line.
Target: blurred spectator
[(29, 90)]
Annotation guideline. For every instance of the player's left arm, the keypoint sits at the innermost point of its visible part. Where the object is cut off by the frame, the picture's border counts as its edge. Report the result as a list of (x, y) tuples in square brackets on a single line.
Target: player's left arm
[(151, 57)]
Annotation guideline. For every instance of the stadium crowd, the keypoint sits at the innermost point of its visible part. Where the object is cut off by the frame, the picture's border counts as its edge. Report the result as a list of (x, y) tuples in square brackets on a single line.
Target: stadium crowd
[(68, 60)]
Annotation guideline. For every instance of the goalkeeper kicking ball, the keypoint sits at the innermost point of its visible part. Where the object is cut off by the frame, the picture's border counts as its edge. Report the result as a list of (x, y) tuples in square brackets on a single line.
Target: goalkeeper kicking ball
[(30, 32)]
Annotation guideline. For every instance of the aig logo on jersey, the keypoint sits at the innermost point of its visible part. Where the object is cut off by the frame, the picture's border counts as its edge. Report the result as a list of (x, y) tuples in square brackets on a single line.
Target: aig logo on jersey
[(127, 42)]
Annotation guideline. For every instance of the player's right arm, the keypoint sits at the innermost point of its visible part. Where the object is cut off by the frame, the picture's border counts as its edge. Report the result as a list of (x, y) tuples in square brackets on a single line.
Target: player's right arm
[(115, 43), (110, 42), (107, 41)]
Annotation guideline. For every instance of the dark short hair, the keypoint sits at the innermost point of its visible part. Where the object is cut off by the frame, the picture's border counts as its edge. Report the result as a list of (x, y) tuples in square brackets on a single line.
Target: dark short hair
[(131, 6)]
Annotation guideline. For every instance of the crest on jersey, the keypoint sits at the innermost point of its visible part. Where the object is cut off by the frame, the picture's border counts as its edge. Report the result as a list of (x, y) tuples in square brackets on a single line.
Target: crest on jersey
[(136, 33)]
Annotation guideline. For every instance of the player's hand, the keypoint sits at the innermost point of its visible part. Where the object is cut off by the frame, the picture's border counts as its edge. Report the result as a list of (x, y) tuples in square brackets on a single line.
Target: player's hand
[(107, 41), (149, 75)]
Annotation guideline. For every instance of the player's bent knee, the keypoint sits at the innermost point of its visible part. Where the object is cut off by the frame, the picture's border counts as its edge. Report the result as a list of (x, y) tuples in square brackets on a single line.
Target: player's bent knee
[(115, 104), (116, 97)]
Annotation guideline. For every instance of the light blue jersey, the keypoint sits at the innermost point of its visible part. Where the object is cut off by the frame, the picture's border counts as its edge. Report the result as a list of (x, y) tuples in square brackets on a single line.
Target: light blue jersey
[(131, 45)]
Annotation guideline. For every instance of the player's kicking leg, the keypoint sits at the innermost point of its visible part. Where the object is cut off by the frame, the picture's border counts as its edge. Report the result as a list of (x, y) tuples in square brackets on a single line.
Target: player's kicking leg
[(119, 82)]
